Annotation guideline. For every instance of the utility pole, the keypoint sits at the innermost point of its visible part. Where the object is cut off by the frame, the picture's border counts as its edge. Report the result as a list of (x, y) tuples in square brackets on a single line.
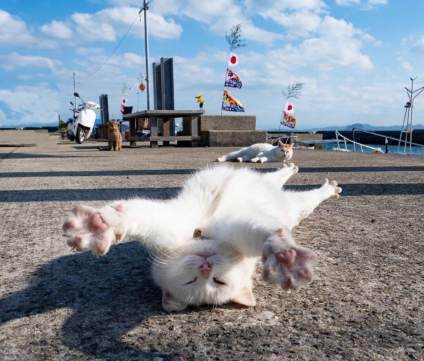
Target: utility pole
[(75, 98), (146, 49)]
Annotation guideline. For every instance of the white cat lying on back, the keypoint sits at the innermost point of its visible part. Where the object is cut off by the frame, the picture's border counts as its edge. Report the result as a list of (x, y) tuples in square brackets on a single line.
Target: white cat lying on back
[(260, 153), (219, 225)]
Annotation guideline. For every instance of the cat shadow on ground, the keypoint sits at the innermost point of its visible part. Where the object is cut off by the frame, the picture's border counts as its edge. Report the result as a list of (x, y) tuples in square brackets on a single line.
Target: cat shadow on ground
[(109, 296)]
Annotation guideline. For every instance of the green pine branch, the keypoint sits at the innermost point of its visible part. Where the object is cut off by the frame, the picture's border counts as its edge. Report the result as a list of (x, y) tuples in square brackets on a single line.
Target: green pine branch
[(293, 90), (234, 38)]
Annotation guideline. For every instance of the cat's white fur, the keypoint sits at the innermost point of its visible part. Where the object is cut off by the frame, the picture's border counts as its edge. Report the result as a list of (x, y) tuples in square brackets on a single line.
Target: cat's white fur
[(260, 153), (238, 214)]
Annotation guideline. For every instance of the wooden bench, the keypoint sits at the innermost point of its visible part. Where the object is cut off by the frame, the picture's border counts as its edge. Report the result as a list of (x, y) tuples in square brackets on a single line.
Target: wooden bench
[(162, 126)]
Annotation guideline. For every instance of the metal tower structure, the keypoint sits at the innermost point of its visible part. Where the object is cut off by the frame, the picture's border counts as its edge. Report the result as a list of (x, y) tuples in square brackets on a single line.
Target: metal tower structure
[(406, 131)]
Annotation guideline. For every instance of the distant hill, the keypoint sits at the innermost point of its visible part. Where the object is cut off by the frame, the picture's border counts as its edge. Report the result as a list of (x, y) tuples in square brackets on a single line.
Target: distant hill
[(365, 126)]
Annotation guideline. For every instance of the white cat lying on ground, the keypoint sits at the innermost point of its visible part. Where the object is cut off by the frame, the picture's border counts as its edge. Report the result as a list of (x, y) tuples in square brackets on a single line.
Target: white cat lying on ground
[(260, 153), (237, 215)]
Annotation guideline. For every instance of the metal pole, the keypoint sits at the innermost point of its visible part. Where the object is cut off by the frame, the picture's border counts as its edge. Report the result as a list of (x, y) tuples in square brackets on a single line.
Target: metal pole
[(146, 50), (410, 124), (75, 98)]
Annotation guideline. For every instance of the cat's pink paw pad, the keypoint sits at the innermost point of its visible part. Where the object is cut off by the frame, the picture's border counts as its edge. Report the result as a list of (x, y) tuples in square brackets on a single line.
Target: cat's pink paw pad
[(86, 228), (96, 223), (289, 266)]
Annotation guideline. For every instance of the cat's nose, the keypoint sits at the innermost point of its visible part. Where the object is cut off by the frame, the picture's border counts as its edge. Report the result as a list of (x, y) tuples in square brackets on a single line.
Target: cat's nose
[(205, 269)]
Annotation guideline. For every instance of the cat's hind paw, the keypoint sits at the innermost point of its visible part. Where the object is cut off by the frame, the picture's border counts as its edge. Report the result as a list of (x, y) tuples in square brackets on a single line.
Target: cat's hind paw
[(88, 228), (220, 159), (333, 188), (287, 264)]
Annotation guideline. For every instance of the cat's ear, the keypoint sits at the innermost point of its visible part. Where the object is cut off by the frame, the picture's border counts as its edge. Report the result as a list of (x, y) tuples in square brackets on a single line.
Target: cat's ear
[(170, 303), (245, 297), (280, 143)]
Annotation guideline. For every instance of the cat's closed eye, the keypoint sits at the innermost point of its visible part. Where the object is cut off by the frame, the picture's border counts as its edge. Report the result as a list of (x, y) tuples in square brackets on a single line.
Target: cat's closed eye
[(221, 283), (192, 281)]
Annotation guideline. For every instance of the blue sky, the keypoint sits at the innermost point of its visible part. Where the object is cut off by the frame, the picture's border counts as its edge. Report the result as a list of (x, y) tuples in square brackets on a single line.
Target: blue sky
[(354, 56)]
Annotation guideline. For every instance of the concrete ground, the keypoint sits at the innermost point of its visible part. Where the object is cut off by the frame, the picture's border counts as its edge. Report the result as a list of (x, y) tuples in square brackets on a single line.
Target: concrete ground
[(367, 302)]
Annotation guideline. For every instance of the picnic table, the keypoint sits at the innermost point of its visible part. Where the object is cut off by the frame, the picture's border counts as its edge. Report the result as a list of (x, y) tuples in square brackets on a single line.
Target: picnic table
[(161, 124)]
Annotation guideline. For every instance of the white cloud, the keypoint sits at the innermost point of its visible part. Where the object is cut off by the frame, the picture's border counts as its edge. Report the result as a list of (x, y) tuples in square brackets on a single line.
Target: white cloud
[(347, 2), (300, 23), (14, 31), (110, 23), (336, 44), (90, 29), (284, 5), (57, 29), (365, 4), (377, 2), (218, 15), (31, 104), (407, 66), (15, 60), (418, 44)]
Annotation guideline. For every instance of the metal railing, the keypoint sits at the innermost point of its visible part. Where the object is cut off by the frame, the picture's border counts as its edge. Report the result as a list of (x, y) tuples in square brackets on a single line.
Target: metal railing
[(386, 139), (346, 141)]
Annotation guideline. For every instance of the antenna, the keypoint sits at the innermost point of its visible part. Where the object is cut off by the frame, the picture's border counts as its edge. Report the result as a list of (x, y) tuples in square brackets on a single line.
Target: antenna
[(407, 124)]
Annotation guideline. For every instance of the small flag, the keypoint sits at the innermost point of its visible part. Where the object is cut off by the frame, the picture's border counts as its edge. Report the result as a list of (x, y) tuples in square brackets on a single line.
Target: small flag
[(289, 119), (230, 103), (233, 60), (232, 79)]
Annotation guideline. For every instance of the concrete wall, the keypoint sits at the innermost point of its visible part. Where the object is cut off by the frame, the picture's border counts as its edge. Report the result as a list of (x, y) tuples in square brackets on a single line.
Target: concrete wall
[(227, 122), (232, 138), (230, 131)]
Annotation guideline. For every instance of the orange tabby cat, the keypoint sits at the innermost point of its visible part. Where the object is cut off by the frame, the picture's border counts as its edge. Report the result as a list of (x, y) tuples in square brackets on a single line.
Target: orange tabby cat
[(114, 136)]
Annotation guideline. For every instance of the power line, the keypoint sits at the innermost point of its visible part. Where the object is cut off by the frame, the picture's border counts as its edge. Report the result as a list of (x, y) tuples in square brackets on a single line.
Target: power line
[(115, 49)]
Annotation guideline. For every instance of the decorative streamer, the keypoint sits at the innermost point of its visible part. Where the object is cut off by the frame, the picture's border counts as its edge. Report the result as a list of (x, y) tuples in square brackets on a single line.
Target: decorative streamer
[(230, 103), (289, 119), (232, 79)]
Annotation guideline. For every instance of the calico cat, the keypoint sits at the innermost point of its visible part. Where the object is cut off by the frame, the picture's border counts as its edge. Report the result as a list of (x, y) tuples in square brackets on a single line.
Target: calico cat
[(260, 153), (216, 230), (114, 136)]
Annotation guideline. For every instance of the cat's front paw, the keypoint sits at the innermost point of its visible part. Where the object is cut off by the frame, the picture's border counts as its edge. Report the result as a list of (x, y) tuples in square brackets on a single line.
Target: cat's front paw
[(294, 168), (220, 159), (286, 263), (88, 228), (333, 188)]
